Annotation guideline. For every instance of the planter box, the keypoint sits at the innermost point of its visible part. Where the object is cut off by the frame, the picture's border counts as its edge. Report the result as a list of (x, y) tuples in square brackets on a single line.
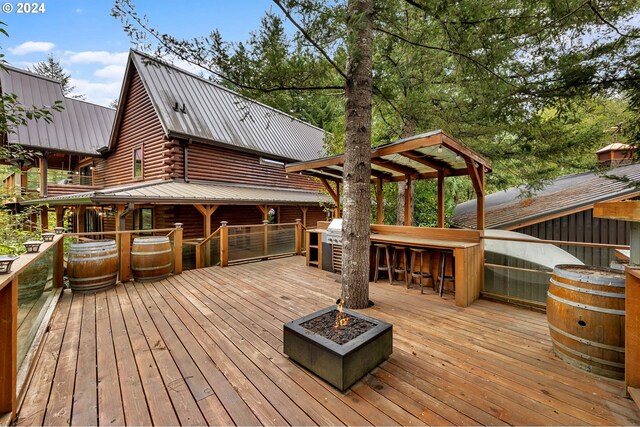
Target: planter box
[(339, 365)]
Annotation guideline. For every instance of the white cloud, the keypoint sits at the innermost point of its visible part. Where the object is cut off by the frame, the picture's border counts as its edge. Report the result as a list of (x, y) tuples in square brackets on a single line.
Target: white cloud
[(114, 72), (100, 57), (31, 47), (99, 93), (78, 10)]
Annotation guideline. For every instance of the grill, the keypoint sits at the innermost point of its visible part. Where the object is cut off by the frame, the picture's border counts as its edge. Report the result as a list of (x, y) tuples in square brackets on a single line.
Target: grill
[(333, 237)]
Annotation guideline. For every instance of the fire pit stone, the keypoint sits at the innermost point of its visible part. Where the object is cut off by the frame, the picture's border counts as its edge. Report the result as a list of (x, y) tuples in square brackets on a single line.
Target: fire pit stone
[(339, 364)]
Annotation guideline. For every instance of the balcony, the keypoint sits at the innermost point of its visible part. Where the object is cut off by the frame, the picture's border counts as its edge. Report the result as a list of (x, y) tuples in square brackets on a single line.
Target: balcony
[(28, 184)]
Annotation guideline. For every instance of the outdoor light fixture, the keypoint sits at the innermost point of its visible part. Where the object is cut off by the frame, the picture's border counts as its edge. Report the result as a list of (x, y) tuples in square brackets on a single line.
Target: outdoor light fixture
[(5, 263), (93, 165), (58, 230), (439, 149), (32, 246), (48, 237)]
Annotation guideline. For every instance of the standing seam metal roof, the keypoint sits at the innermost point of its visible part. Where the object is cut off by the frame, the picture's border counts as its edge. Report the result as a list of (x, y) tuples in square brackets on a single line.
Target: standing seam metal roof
[(506, 209), (217, 114), (81, 127)]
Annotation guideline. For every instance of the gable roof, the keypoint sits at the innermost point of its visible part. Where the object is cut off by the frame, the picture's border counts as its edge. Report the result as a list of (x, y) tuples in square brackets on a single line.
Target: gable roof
[(507, 210), (81, 127), (216, 115), (178, 192)]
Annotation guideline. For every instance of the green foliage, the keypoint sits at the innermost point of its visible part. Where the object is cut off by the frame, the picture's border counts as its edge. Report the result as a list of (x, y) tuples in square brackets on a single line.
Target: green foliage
[(14, 230), (52, 69)]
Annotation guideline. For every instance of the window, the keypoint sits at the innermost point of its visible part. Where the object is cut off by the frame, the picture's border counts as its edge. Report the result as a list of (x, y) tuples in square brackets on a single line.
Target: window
[(137, 163), (145, 219), (86, 175)]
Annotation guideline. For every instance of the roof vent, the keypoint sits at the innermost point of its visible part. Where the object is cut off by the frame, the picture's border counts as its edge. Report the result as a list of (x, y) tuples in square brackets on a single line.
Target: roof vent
[(176, 107)]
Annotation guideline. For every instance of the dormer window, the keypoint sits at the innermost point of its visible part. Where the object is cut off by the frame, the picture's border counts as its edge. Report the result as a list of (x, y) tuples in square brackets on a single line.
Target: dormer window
[(137, 163)]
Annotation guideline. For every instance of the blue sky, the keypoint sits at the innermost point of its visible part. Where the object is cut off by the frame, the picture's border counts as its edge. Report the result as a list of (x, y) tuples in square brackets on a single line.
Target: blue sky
[(92, 46)]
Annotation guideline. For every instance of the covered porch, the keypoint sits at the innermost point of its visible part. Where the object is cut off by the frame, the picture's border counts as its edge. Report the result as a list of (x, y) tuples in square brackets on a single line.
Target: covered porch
[(205, 347)]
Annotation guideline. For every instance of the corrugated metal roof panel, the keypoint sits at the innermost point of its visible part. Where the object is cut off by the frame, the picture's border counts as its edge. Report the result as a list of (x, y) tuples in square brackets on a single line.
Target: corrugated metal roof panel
[(81, 127), (505, 209), (214, 113), (186, 193)]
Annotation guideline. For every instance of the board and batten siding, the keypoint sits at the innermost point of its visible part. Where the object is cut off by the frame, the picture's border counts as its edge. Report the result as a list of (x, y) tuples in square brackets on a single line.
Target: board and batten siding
[(139, 127), (211, 163), (582, 227)]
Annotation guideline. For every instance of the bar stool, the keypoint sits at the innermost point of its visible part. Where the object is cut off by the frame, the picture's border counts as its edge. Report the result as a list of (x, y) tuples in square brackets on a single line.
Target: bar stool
[(421, 273), (398, 265), (442, 275), (386, 266)]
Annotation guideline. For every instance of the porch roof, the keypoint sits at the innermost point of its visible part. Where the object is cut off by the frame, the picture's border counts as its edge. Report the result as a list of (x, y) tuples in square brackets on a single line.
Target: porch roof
[(178, 192)]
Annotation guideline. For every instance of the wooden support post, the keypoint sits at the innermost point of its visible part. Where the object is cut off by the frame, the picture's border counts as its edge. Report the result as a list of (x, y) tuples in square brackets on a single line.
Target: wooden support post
[(265, 237), (44, 168), (304, 210), (44, 218), (58, 263), (224, 244), (24, 182), (441, 208), (379, 202), (9, 347), (480, 206), (207, 212), (177, 248), (80, 218), (123, 242), (33, 221), (632, 328), (264, 210), (337, 213), (298, 237), (476, 173), (59, 216), (407, 202)]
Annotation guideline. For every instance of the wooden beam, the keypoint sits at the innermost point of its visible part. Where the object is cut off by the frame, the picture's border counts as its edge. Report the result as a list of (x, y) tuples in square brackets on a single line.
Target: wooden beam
[(304, 210), (472, 169), (177, 249), (264, 210), (335, 195), (379, 202), (396, 167), (407, 203), (418, 157), (315, 164), (480, 213), (59, 216), (80, 210), (413, 143), (298, 239), (441, 197), (224, 244), (463, 151), (44, 217), (206, 211), (337, 211), (430, 175)]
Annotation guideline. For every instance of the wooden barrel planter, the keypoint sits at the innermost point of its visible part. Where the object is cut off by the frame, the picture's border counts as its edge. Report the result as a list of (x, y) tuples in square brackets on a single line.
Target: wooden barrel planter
[(585, 311), (92, 266), (151, 258)]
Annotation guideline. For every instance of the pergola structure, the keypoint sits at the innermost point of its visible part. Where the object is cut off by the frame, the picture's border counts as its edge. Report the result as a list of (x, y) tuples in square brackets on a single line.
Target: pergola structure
[(432, 155)]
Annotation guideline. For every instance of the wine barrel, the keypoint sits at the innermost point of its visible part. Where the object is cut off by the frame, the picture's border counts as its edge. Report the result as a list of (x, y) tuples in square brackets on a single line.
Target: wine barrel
[(92, 266), (585, 311), (151, 258)]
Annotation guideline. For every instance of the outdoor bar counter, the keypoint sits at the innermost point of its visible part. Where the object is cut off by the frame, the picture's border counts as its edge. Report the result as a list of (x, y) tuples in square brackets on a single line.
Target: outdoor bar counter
[(465, 246)]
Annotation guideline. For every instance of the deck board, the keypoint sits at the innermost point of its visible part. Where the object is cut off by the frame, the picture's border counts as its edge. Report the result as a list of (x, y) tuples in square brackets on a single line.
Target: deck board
[(206, 347)]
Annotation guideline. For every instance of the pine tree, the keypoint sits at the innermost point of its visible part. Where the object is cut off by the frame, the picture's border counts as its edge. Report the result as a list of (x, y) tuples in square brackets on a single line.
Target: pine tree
[(52, 69)]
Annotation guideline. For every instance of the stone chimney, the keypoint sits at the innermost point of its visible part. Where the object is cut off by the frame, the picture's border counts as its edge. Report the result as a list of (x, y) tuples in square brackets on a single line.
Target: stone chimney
[(615, 154)]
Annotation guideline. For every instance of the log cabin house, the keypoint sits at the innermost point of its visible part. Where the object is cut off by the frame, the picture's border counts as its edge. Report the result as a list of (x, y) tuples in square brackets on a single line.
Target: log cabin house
[(181, 149)]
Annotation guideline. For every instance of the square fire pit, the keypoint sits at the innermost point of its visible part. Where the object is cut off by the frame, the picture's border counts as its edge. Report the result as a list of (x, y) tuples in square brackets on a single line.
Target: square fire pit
[(339, 364)]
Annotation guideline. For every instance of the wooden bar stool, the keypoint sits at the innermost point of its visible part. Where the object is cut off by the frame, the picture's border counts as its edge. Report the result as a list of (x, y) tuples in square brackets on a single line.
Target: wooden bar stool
[(442, 275), (399, 263), (386, 263), (421, 274)]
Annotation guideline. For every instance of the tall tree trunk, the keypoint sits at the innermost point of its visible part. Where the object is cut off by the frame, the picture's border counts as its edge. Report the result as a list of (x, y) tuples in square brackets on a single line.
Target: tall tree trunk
[(408, 129), (357, 154)]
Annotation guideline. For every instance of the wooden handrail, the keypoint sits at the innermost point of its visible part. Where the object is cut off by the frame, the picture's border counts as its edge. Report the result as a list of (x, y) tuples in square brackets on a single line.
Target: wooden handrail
[(557, 242), (260, 225), (115, 233)]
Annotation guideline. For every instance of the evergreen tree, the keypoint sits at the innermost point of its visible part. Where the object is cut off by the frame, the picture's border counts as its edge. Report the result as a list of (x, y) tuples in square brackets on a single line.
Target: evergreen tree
[(52, 69)]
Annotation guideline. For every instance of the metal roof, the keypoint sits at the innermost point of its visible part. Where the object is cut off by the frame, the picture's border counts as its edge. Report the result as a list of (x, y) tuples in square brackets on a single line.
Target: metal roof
[(178, 192), (508, 210), (420, 156), (81, 127), (616, 146), (215, 114)]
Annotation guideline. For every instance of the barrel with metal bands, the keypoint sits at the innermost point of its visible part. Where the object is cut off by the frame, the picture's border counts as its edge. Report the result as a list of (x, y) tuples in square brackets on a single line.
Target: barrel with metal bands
[(585, 310), (151, 258), (92, 266)]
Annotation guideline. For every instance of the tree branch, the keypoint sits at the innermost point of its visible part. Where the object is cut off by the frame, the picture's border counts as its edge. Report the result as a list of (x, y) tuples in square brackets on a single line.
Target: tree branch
[(607, 23), (310, 39), (442, 49)]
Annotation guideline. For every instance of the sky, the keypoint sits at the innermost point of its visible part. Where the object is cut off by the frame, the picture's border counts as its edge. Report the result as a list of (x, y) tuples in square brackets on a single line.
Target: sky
[(91, 45)]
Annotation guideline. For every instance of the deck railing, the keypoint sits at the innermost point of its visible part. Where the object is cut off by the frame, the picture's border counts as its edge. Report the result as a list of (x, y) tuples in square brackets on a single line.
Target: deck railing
[(510, 278), (27, 297), (241, 243)]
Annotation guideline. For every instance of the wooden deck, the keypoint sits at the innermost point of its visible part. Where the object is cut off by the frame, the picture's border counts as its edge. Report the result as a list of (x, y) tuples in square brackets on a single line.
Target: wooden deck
[(206, 347)]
